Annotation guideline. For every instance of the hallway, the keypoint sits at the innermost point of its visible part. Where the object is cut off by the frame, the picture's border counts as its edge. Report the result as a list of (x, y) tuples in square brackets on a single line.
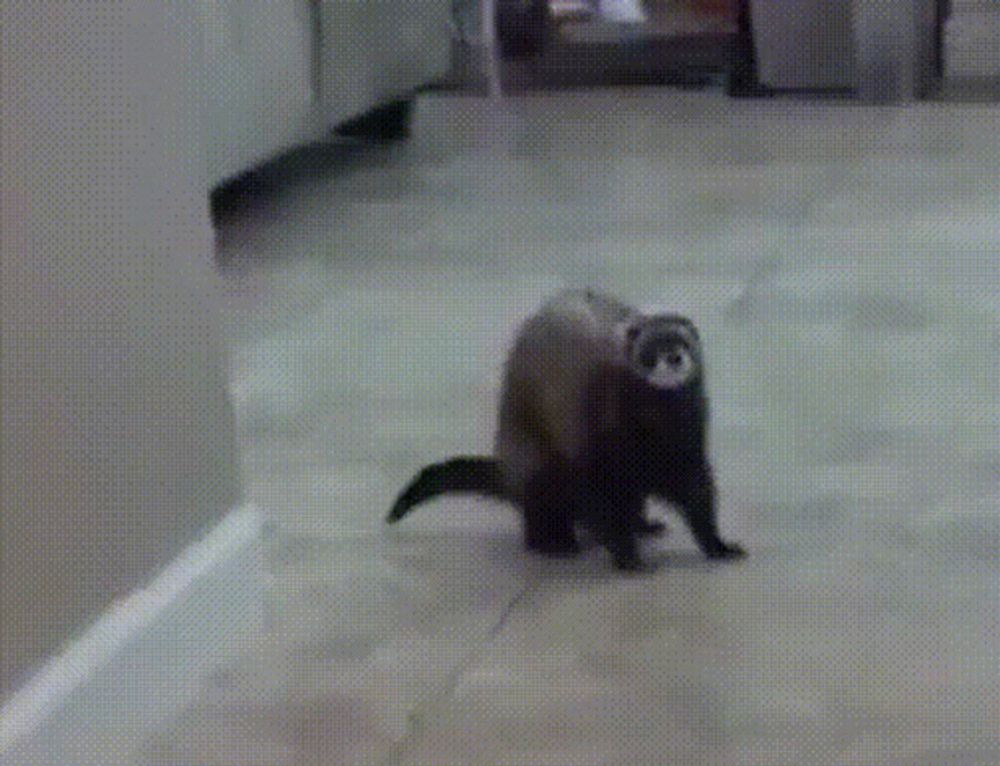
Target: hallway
[(842, 265)]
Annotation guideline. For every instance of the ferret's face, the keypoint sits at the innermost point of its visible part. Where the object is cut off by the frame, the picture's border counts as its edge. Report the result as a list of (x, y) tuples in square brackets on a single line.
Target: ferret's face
[(664, 351)]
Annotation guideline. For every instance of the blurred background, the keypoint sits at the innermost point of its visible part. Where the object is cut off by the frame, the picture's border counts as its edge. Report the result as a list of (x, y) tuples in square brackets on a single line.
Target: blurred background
[(262, 261)]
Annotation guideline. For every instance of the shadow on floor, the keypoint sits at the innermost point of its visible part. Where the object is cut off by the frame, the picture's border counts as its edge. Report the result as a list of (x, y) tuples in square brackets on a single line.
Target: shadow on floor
[(973, 90), (261, 186)]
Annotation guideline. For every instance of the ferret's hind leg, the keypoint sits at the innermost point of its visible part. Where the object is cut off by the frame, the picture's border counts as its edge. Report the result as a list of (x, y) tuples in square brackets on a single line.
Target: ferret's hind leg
[(611, 504), (615, 517), (549, 513)]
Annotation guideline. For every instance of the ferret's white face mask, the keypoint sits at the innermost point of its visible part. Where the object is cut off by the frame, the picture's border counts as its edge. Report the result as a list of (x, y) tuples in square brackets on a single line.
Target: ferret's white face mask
[(672, 369), (662, 352)]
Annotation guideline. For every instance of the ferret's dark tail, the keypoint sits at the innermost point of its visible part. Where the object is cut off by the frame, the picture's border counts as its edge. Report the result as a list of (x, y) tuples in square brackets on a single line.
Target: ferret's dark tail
[(461, 474)]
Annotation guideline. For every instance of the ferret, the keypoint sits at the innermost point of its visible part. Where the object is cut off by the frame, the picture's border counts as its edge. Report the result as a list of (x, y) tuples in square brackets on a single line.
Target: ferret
[(602, 407)]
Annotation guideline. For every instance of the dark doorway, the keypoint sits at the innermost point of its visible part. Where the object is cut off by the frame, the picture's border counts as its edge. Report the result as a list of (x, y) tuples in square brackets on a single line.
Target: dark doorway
[(688, 43)]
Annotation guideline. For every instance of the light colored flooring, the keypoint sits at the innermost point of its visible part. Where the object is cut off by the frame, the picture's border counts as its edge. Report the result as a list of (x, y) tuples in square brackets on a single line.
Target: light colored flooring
[(842, 263)]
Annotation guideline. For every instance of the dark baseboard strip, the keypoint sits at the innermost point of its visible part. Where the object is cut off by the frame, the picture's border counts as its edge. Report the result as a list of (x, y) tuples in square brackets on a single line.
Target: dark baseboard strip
[(744, 79)]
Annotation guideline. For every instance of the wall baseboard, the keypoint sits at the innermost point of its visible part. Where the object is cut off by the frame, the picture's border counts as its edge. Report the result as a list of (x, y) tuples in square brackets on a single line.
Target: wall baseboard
[(142, 661)]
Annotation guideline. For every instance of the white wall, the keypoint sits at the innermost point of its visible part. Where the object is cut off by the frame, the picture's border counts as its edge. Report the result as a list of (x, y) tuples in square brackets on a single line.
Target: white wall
[(805, 44), (882, 49), (117, 431), (259, 82), (279, 74), (895, 48), (972, 39), (377, 52)]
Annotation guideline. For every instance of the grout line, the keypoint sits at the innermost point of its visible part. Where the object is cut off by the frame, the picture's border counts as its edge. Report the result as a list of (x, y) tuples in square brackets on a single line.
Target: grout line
[(417, 719)]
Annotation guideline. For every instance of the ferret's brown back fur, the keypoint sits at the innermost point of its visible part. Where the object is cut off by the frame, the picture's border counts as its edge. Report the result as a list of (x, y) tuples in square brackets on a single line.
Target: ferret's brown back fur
[(574, 344)]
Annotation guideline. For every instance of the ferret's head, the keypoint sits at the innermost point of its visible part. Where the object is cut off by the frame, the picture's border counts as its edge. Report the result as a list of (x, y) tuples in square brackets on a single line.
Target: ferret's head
[(664, 350)]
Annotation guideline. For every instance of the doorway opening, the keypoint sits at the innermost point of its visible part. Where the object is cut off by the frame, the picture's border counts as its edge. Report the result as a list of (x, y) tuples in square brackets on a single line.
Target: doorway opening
[(554, 44)]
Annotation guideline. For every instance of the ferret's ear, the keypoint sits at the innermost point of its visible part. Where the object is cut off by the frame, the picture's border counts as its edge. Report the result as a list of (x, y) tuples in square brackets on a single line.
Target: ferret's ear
[(626, 333), (687, 323), (690, 325)]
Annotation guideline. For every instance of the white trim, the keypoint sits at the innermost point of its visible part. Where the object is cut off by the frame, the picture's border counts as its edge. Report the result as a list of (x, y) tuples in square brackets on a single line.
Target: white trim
[(153, 629), (622, 11), (491, 51)]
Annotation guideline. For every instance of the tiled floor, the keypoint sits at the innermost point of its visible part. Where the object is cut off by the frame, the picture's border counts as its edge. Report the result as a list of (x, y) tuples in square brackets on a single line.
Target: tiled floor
[(843, 265)]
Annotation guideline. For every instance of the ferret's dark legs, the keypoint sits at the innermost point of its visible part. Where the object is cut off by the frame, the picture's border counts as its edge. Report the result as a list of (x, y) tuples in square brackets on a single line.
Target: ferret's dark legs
[(610, 503), (694, 492), (651, 528), (617, 526), (548, 514)]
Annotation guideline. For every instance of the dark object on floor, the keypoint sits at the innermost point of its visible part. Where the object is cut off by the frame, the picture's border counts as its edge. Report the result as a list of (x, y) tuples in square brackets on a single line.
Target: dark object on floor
[(390, 122), (524, 27), (744, 79), (602, 407)]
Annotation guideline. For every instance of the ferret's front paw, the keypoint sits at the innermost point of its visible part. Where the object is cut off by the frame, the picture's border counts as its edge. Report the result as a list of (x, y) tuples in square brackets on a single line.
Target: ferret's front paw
[(652, 528), (632, 564), (727, 551)]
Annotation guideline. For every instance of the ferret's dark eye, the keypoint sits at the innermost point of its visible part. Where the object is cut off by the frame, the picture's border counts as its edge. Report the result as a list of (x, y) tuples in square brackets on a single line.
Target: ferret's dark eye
[(675, 359)]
